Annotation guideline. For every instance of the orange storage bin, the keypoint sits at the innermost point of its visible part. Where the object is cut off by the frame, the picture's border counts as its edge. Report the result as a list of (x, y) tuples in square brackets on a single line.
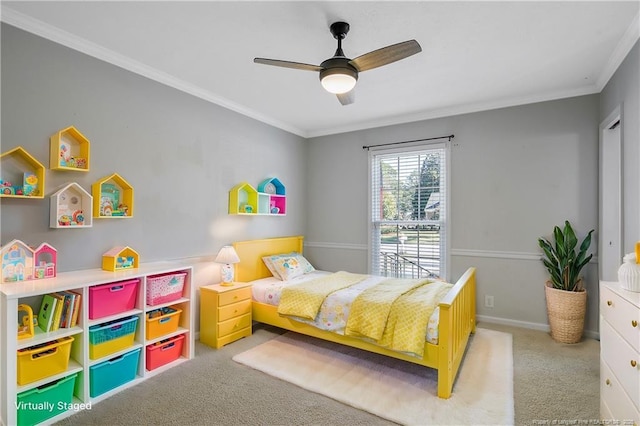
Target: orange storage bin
[(45, 360), (164, 352), (162, 321)]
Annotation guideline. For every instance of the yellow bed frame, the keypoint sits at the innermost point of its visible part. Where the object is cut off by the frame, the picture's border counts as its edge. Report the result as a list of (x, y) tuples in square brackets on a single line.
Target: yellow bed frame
[(457, 313)]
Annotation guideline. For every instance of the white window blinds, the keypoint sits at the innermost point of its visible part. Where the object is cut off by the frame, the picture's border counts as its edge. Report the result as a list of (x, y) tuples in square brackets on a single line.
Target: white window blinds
[(408, 211)]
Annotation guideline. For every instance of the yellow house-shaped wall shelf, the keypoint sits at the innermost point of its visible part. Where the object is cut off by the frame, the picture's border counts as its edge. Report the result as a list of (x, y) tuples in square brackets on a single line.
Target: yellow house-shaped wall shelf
[(119, 258), (243, 199), (69, 150), (112, 198), (71, 207), (22, 175)]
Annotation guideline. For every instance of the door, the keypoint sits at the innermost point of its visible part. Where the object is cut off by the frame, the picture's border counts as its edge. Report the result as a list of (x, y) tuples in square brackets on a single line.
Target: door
[(610, 220)]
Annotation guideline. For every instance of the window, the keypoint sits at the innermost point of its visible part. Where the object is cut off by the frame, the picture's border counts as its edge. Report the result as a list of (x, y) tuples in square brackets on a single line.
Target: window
[(409, 211)]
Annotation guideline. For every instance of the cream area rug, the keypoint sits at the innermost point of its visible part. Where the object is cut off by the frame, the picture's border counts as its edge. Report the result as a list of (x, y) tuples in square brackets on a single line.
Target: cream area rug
[(399, 391)]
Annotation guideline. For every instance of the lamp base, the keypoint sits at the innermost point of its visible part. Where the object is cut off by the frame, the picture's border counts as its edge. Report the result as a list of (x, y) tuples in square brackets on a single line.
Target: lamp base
[(228, 284)]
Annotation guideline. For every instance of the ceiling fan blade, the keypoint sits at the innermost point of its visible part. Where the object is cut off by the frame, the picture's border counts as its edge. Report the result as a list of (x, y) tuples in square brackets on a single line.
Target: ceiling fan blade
[(347, 98), (287, 64), (386, 55)]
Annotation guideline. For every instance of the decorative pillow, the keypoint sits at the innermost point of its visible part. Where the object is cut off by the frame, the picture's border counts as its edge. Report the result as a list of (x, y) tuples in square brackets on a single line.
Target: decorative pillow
[(288, 266)]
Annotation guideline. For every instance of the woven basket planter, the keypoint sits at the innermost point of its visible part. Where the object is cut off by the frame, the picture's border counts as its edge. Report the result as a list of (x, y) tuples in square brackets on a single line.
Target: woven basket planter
[(566, 311)]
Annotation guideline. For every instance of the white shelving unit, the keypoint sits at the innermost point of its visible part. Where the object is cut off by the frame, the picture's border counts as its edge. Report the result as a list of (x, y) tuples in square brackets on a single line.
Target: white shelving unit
[(31, 292)]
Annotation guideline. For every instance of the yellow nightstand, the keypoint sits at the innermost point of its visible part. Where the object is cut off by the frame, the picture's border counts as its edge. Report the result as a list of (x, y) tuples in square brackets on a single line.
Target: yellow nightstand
[(225, 313)]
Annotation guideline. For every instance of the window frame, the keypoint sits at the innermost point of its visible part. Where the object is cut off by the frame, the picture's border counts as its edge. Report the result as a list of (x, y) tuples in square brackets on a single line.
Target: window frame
[(445, 227)]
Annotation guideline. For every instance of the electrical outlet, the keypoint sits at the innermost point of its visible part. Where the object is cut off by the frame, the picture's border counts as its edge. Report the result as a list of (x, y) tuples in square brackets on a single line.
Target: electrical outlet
[(488, 301)]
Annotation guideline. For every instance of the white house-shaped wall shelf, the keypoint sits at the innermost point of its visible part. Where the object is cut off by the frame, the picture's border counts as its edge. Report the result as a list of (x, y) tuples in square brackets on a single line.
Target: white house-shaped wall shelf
[(21, 263), (119, 258), (69, 150), (271, 197), (112, 198), (22, 175), (243, 199), (71, 207)]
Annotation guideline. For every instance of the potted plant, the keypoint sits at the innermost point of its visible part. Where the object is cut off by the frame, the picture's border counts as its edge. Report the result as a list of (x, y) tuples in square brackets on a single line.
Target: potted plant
[(565, 293)]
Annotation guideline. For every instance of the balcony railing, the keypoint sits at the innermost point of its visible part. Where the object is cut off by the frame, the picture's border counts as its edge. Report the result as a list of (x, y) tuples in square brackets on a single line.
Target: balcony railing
[(402, 266)]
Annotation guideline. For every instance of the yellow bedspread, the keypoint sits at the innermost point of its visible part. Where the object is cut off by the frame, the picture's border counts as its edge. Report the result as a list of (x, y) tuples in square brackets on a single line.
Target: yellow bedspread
[(395, 313), (305, 299)]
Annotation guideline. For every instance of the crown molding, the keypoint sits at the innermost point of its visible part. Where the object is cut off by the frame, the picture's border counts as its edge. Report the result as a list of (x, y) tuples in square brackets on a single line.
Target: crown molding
[(49, 32), (631, 35)]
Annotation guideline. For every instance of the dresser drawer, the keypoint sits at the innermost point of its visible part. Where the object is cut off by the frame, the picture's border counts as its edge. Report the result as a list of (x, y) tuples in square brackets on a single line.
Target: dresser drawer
[(233, 325), (234, 296), (622, 316), (613, 399), (234, 310), (620, 357)]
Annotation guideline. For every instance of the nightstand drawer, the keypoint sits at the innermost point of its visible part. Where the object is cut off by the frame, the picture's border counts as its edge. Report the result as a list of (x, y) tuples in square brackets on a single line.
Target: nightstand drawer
[(622, 316), (233, 325), (234, 296), (234, 310)]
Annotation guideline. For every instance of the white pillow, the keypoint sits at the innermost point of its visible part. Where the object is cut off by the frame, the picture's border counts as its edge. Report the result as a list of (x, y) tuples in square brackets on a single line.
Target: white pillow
[(287, 266)]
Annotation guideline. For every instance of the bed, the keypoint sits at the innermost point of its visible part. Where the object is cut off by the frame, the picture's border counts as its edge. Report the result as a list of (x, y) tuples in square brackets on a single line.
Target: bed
[(456, 318)]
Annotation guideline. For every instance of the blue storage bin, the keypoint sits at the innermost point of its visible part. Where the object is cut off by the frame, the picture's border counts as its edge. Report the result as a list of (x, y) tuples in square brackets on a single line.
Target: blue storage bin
[(113, 373)]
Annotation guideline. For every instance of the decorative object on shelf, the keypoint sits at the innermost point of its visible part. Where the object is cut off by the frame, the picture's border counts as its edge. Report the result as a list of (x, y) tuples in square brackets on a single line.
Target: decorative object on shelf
[(25, 322), (566, 296), (20, 262), (113, 197), (69, 150), (46, 260), (268, 199), (18, 165), (629, 273), (71, 207), (227, 256), (120, 258)]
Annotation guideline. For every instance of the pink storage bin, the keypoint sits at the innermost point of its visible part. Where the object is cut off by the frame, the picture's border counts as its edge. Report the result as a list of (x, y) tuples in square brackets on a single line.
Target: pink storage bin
[(165, 288), (112, 298)]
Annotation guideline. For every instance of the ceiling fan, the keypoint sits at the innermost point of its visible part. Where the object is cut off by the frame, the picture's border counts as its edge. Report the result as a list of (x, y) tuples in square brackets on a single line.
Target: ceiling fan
[(339, 74)]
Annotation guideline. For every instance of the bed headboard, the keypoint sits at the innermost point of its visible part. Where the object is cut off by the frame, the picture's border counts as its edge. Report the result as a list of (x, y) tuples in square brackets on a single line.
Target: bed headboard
[(251, 266)]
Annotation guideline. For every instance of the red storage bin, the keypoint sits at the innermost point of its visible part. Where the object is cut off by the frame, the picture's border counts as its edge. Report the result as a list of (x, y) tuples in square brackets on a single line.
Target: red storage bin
[(112, 298), (164, 352), (165, 288)]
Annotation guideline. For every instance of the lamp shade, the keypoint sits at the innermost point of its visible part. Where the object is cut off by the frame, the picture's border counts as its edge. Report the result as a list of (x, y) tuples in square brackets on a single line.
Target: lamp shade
[(338, 79), (227, 254)]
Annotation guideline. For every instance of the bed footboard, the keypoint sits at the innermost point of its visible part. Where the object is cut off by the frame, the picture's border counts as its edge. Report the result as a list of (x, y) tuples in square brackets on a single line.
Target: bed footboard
[(457, 322)]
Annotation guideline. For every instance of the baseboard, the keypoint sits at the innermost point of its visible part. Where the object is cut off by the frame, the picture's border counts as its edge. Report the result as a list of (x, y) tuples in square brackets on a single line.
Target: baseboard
[(529, 325)]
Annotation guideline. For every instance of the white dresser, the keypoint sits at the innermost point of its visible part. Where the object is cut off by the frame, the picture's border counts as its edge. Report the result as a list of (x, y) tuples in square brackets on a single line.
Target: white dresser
[(619, 354)]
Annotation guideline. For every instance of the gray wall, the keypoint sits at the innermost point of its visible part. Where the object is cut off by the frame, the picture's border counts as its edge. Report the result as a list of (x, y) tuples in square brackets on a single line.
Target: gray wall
[(181, 154), (515, 173), (623, 90)]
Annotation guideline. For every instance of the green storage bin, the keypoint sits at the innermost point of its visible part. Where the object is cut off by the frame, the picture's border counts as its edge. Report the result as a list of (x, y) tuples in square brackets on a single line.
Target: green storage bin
[(46, 401)]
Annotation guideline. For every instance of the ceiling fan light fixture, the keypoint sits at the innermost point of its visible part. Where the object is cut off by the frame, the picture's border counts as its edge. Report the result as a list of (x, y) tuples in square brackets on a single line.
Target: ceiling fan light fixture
[(338, 80)]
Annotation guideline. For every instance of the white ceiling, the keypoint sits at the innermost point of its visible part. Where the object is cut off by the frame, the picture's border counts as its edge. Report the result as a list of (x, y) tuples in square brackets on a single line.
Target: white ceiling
[(475, 55)]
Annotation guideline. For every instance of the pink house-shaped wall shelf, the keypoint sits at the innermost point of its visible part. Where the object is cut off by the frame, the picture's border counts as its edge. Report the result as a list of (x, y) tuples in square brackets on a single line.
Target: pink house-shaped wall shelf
[(45, 261)]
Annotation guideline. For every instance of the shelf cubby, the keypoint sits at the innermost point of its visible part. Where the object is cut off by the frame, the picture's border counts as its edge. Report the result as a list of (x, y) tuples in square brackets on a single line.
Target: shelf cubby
[(18, 165), (269, 199), (69, 150)]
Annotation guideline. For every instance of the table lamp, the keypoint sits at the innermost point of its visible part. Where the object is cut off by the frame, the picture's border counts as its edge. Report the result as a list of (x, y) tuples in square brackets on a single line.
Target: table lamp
[(227, 256)]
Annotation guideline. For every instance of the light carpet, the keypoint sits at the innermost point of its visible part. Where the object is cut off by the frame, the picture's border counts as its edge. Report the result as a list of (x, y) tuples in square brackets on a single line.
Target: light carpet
[(399, 391)]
